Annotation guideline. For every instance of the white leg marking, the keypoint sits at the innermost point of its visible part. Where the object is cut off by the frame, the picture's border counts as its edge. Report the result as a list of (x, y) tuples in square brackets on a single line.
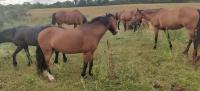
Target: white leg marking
[(47, 74)]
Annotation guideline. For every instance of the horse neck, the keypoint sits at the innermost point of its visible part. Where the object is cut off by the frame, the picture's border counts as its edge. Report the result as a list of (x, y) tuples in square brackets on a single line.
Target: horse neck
[(6, 36), (98, 30), (149, 16)]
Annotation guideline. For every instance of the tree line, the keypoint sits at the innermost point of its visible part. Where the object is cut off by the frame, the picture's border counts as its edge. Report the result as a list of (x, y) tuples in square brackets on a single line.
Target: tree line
[(81, 3)]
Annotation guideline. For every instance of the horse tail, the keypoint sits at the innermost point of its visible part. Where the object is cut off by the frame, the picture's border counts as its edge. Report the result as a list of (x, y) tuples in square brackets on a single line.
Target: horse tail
[(41, 64), (198, 28), (53, 22)]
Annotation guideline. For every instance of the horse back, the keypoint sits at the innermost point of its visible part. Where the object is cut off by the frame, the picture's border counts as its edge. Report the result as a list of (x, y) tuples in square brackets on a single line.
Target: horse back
[(177, 18), (70, 17)]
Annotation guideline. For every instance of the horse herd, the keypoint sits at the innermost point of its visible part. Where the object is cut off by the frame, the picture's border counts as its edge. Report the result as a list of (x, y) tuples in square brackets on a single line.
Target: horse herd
[(86, 35)]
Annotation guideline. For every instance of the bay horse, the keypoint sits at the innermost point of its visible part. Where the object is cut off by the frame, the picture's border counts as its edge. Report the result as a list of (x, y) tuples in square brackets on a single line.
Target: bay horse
[(85, 40), (74, 17), (126, 16), (22, 37), (173, 19)]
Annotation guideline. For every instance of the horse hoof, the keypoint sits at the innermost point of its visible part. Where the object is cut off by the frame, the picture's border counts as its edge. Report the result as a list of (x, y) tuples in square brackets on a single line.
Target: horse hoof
[(55, 62), (185, 53), (65, 60), (15, 64), (83, 76), (154, 48), (51, 78), (29, 64)]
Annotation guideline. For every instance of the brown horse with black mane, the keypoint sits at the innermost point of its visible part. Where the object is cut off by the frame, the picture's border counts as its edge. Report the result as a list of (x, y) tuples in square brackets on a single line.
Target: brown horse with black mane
[(164, 19), (126, 16), (85, 40), (74, 17)]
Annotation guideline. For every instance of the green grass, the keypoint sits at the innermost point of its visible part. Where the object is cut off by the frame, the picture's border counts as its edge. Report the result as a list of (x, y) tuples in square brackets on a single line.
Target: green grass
[(134, 65)]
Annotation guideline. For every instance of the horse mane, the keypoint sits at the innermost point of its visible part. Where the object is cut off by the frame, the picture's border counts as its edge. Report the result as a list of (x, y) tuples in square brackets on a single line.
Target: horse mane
[(102, 19)]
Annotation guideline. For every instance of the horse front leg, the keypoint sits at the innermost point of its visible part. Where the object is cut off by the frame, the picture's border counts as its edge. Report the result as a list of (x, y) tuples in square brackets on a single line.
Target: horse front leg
[(19, 48), (156, 31), (88, 57)]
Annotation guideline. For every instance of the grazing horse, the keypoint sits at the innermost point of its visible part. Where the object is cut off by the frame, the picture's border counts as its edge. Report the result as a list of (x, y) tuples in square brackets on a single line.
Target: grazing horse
[(85, 40), (164, 19), (22, 37), (127, 16), (74, 17)]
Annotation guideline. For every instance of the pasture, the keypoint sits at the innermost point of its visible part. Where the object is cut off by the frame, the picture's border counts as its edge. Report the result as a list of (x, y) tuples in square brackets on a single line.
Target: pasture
[(129, 64)]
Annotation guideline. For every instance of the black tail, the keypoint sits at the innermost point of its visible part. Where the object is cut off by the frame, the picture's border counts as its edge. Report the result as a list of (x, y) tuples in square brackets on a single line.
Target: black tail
[(41, 64), (198, 28), (53, 22)]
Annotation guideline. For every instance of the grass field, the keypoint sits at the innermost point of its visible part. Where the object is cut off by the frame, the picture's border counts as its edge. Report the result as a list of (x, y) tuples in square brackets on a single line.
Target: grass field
[(134, 65)]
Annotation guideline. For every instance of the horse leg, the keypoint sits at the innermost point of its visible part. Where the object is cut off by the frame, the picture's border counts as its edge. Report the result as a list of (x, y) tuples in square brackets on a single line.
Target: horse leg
[(64, 58), (156, 31), (47, 71), (75, 25), (56, 57), (191, 37), (28, 55), (135, 27), (60, 25), (91, 65), (19, 48), (118, 24), (87, 58), (168, 38), (124, 26), (194, 56)]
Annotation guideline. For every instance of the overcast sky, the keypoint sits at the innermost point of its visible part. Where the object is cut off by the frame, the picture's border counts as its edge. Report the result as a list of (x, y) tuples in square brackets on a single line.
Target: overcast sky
[(6, 2)]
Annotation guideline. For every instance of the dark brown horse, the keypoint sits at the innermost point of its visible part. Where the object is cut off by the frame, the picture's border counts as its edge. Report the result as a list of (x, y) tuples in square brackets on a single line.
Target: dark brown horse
[(164, 19), (85, 40), (74, 17), (126, 16)]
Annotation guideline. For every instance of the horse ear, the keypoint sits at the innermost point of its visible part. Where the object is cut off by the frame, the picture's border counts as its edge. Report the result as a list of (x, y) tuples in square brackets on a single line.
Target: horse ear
[(106, 14)]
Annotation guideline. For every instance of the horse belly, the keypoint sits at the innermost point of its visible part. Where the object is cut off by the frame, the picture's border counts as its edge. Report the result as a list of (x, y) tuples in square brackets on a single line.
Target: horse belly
[(67, 45)]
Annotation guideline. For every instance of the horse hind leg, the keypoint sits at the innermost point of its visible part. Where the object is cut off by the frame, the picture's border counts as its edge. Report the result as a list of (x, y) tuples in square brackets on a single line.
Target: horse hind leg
[(47, 71), (64, 58), (28, 56), (168, 38), (19, 48), (56, 57), (191, 39)]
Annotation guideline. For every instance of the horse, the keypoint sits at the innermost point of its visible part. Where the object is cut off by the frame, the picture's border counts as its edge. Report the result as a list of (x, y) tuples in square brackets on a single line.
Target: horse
[(173, 19), (127, 16), (74, 17), (22, 37), (85, 40)]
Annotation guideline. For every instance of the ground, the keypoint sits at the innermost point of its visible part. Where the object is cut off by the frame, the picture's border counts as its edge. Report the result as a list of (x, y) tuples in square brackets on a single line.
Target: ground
[(130, 64)]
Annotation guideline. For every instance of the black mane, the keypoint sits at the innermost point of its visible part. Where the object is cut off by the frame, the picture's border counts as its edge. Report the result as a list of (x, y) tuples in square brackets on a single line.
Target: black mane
[(103, 19)]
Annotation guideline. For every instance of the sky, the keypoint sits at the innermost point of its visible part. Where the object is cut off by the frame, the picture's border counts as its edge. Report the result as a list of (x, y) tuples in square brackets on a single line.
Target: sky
[(6, 2)]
